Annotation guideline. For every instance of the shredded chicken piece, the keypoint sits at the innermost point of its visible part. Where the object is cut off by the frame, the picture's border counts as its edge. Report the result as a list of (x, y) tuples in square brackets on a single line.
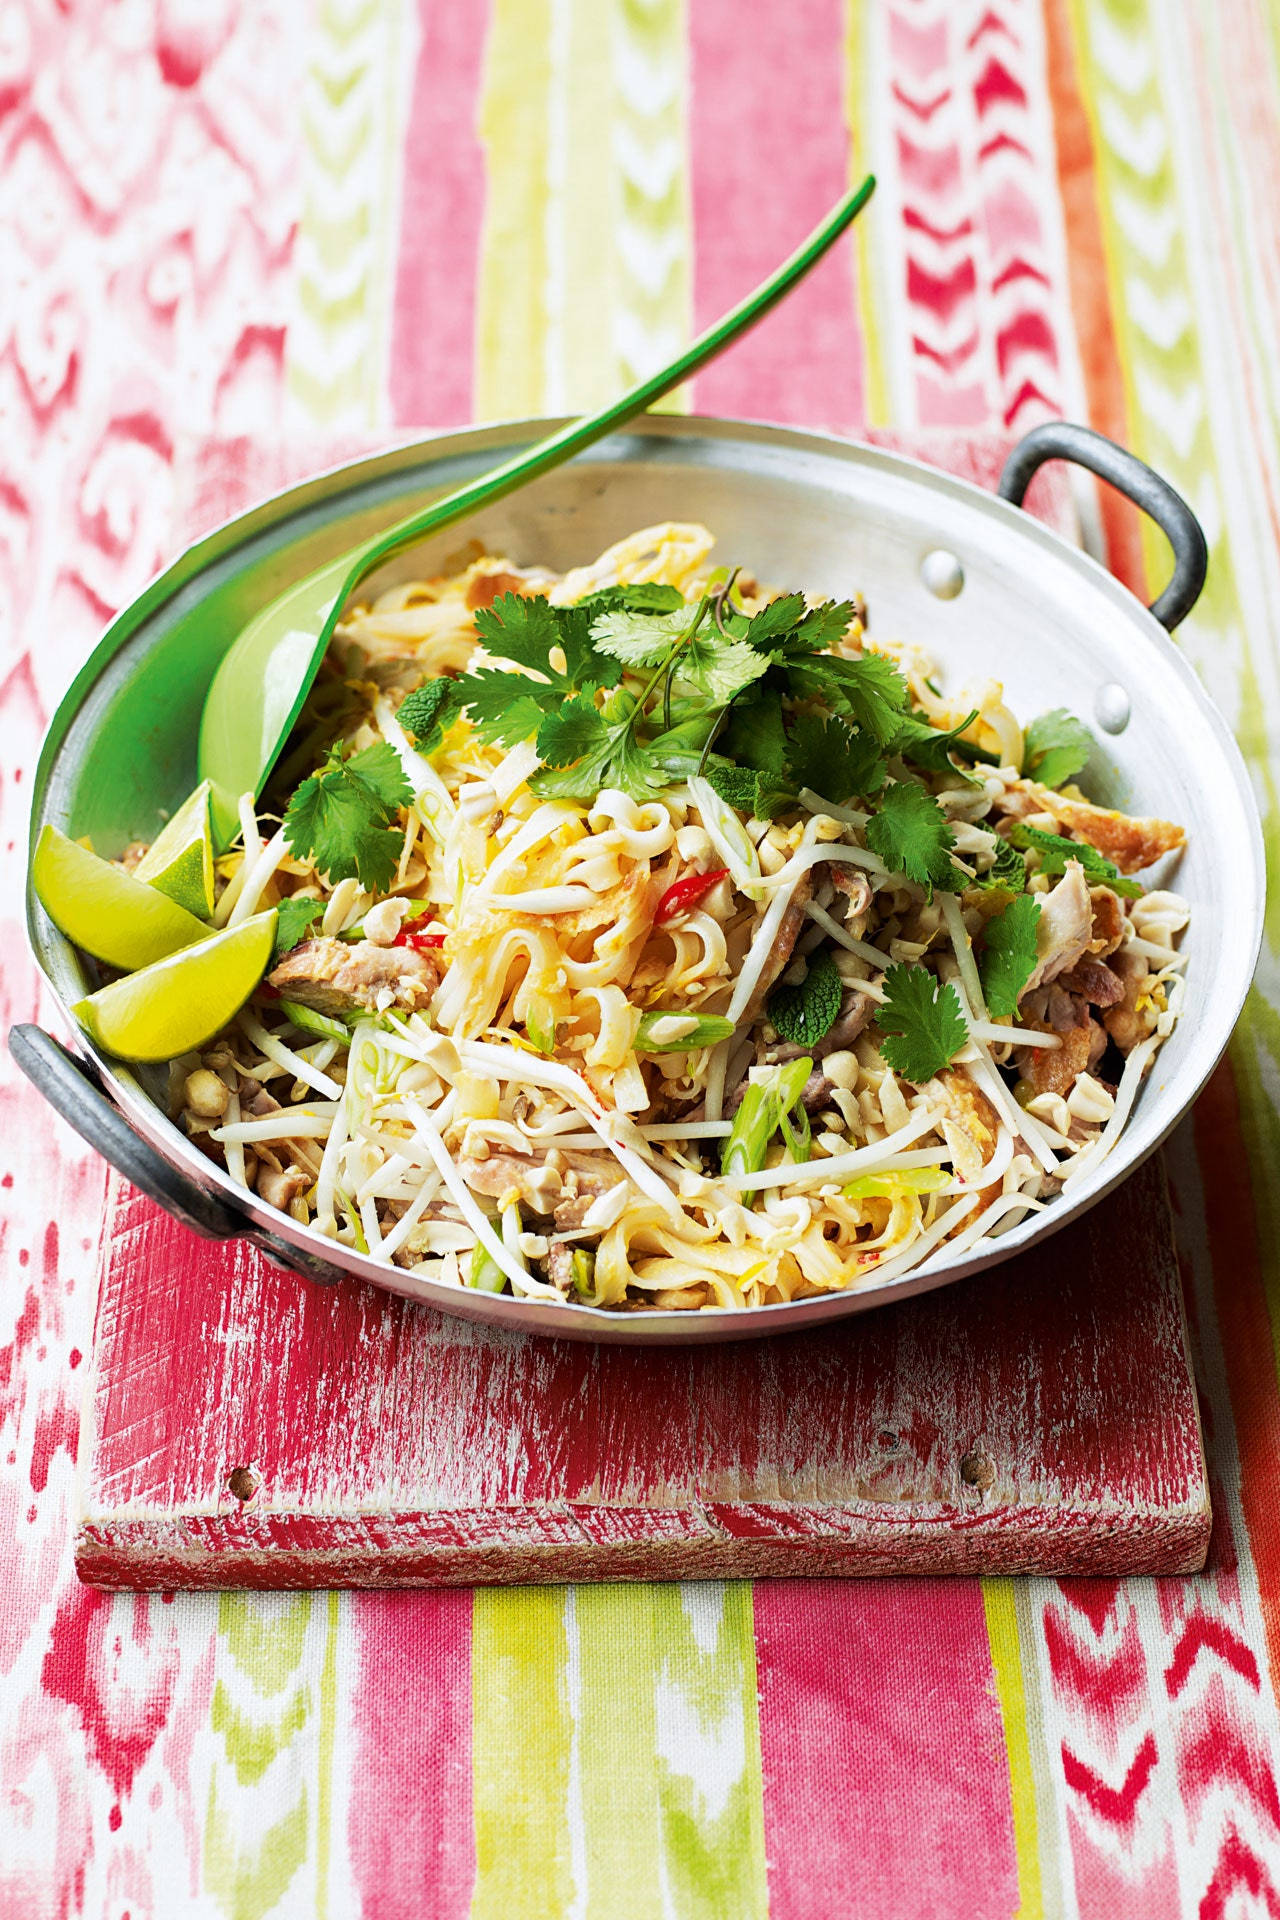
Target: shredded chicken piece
[(1109, 921), (1065, 928), (333, 976), (1132, 843)]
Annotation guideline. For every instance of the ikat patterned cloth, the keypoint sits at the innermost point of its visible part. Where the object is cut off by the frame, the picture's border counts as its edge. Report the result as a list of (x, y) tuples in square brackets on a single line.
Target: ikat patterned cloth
[(285, 220)]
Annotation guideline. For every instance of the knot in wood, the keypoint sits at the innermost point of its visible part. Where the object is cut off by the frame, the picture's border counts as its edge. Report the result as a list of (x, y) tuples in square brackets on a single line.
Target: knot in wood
[(977, 1471), (242, 1482)]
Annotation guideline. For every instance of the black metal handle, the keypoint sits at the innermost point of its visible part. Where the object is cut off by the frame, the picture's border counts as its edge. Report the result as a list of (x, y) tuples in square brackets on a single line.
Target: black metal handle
[(70, 1087), (1064, 440)]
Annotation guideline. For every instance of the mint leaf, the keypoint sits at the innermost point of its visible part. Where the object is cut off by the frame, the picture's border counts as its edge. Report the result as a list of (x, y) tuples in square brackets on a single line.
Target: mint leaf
[(754, 793), (805, 1014), (911, 834), (1055, 851), (1009, 954), (427, 712), (1009, 870), (293, 917), (1056, 747), (922, 1022)]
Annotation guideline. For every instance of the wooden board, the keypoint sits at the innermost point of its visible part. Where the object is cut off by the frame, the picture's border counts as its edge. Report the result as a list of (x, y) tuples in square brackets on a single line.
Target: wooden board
[(246, 1428)]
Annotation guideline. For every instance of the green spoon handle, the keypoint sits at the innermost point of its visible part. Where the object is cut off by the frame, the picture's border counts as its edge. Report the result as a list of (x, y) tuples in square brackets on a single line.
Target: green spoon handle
[(574, 438)]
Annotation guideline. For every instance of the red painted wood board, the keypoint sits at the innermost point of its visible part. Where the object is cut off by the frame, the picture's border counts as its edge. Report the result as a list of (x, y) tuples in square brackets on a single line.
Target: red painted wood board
[(1038, 1418)]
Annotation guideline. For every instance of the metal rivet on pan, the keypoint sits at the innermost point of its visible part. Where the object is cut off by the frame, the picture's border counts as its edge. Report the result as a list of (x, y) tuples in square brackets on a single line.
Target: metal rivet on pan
[(942, 573), (1112, 708)]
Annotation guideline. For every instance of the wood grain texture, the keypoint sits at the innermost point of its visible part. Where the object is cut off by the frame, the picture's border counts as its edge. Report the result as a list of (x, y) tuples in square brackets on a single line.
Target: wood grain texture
[(245, 1428)]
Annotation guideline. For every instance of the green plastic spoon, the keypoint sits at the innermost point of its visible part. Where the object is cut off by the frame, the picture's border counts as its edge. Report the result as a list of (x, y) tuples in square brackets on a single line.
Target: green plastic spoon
[(259, 689)]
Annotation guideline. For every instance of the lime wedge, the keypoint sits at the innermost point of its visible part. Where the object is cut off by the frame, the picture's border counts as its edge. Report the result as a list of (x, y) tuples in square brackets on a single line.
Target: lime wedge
[(179, 860), (104, 909), (183, 1000)]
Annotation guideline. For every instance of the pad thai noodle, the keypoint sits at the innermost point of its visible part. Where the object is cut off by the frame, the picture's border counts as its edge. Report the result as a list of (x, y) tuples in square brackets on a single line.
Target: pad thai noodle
[(651, 939)]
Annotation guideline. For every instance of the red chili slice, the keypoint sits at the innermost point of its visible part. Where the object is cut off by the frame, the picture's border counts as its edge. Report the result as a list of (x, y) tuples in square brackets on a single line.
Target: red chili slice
[(409, 936), (686, 893)]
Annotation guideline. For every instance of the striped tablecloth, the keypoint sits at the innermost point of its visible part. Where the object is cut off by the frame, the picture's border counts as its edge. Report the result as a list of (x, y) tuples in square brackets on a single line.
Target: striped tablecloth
[(279, 219)]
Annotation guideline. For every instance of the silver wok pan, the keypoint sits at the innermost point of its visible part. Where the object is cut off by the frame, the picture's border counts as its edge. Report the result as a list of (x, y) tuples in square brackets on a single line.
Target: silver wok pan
[(982, 586)]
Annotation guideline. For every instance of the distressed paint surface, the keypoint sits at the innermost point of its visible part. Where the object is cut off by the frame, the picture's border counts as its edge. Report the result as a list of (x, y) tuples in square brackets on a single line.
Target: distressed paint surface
[(1074, 212)]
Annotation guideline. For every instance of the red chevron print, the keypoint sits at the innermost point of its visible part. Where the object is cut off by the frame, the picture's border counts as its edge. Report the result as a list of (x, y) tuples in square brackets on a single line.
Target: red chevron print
[(1239, 1870), (1103, 1681), (1115, 1804), (1216, 1635), (984, 300)]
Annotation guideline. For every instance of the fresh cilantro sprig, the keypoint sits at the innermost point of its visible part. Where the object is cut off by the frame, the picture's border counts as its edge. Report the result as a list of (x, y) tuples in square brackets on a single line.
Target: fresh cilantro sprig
[(1056, 747), (1009, 954), (342, 817), (293, 918), (508, 707), (1055, 850), (806, 1013), (922, 1023), (913, 836)]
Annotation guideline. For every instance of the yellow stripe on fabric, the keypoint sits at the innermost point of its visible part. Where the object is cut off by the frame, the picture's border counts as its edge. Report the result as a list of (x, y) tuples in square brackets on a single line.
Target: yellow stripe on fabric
[(520, 1746), (328, 1736), (249, 1857), (584, 276), (352, 122), (1000, 1606), (667, 1713), (858, 105), (511, 314)]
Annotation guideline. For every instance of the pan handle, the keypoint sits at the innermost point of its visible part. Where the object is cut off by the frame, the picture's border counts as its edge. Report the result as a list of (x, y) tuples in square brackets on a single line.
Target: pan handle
[(70, 1087), (1065, 440)]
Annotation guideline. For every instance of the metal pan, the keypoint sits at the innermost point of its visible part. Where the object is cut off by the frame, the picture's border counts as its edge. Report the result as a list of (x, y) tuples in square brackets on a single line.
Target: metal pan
[(984, 587)]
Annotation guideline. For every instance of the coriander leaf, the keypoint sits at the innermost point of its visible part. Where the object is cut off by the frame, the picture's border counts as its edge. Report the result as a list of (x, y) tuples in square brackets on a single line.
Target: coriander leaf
[(721, 668), (640, 639), (1009, 954), (505, 707), (820, 628), (616, 759), (525, 630), (755, 736), (642, 596), (922, 1021), (766, 628), (869, 688), (911, 834), (570, 732), (1055, 851), (805, 1014), (930, 747), (832, 759), (378, 768), (341, 817), (1056, 747), (759, 795), (1008, 870), (427, 712), (293, 917)]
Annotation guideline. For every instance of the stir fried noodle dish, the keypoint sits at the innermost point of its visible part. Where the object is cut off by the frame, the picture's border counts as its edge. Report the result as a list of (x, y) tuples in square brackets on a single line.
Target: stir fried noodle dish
[(648, 938)]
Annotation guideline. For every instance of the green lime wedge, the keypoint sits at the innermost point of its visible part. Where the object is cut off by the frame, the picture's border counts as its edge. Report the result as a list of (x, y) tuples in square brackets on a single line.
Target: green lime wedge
[(183, 1000), (179, 861), (104, 909)]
